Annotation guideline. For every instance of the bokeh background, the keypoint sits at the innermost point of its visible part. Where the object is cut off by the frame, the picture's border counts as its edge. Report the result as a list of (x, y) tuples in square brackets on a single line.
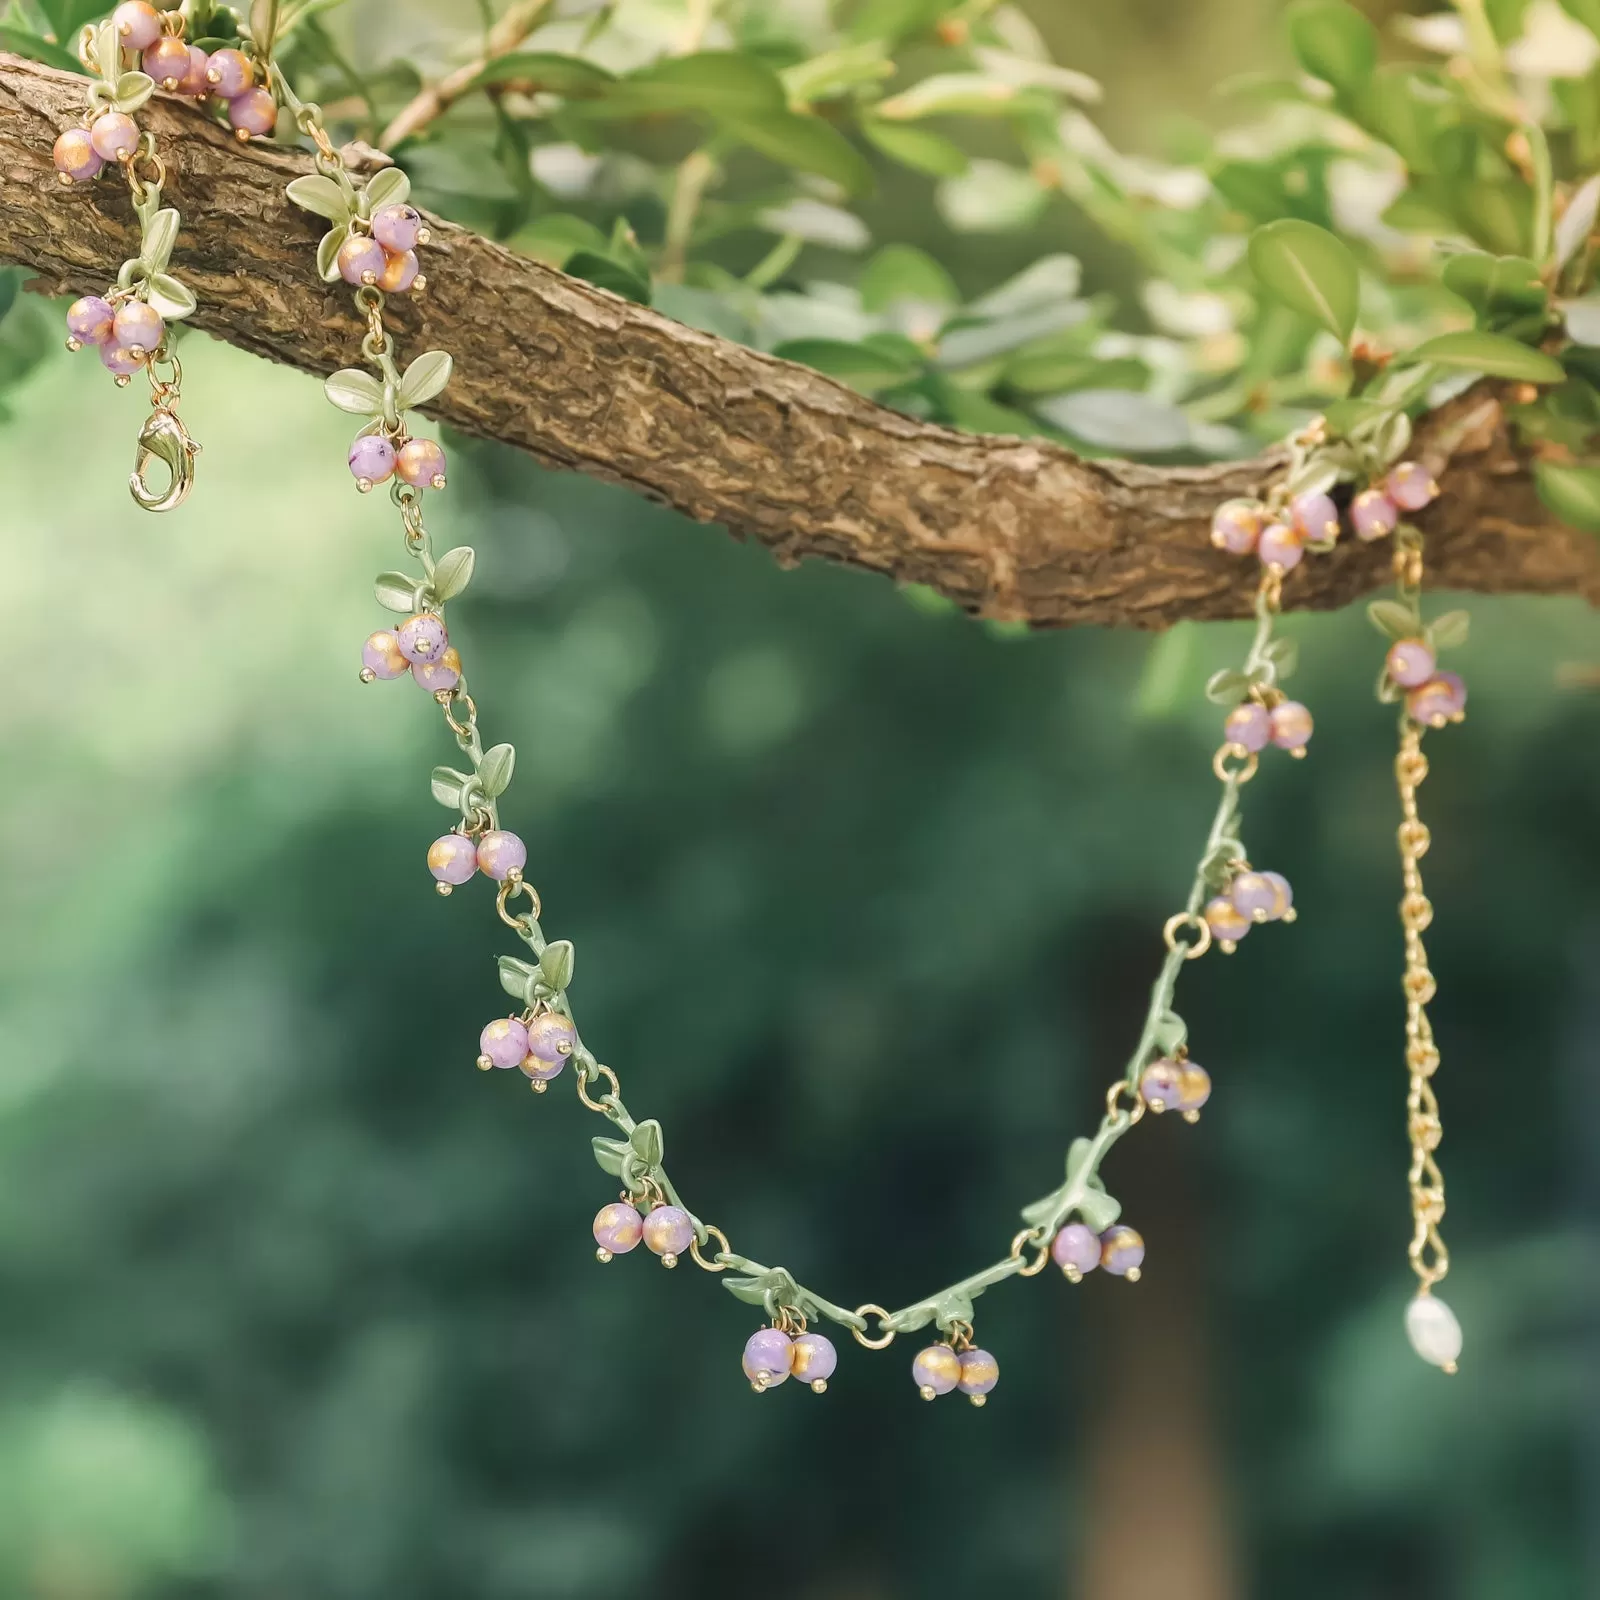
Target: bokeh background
[(294, 1305)]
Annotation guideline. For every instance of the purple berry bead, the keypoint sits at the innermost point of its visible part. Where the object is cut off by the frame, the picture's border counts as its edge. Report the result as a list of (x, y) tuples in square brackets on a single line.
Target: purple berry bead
[(114, 136), (1283, 902), (1442, 699), (1411, 486), (420, 462), (89, 320), (167, 61), (253, 112), (380, 656), (121, 363), (195, 83), (76, 157), (398, 228), (503, 1043), (500, 854), (230, 74), (1228, 924), (1076, 1250), (936, 1371), (371, 460), (768, 1358), (980, 1372), (1236, 526), (618, 1228), (552, 1038), (400, 270), (138, 327), (1254, 895), (138, 24), (1122, 1252), (1194, 1090), (361, 260), (1410, 662), (422, 637), (1249, 726), (452, 859), (1373, 515), (1316, 518), (1291, 725), (668, 1232), (439, 677), (815, 1360), (1281, 546), (1161, 1086)]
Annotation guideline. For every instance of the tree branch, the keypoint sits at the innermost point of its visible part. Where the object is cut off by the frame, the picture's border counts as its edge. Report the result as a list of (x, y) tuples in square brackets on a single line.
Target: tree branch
[(1015, 529)]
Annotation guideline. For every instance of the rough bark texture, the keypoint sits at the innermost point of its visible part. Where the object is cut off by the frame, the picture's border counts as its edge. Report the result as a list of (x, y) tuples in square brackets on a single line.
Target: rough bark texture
[(580, 379)]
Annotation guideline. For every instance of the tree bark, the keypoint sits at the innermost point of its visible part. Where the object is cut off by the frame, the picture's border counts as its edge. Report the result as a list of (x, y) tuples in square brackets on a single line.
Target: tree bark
[(1010, 529)]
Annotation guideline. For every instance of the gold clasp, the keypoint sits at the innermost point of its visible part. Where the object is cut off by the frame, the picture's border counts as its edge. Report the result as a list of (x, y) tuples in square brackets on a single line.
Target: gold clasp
[(164, 438)]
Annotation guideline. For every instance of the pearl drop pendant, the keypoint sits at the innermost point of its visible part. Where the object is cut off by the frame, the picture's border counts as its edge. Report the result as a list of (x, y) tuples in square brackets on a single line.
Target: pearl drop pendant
[(1433, 1331)]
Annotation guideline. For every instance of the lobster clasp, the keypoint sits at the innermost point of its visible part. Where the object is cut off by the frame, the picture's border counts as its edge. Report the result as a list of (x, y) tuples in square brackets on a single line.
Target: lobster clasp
[(163, 438)]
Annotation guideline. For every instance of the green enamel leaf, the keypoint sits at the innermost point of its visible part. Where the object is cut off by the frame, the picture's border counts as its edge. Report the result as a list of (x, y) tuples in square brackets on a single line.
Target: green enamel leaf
[(1495, 285), (610, 1154), (133, 89), (1449, 631), (356, 391), (395, 592), (515, 976), (647, 1143), (449, 786), (1492, 354), (452, 572), (1334, 42), (805, 142), (1098, 1209), (494, 771), (556, 964), (322, 195), (918, 148), (390, 187), (424, 378), (1394, 620), (328, 248), (1172, 1032), (1227, 688), (1573, 493), (160, 235), (170, 296), (1310, 271), (264, 25), (572, 77)]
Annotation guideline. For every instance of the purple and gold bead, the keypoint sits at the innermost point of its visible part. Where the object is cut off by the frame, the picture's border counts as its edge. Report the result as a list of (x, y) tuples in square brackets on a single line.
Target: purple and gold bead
[(399, 228), (194, 81), (618, 1228), (980, 1372), (1254, 894), (452, 859), (1410, 662), (439, 677), (1315, 517), (503, 1043), (1283, 903), (1122, 1252), (138, 24), (1411, 486), (361, 260), (1076, 1250), (668, 1232), (1373, 515), (253, 112), (400, 270), (381, 657), (120, 362), (1442, 699), (1194, 1089), (371, 460), (1236, 526), (1249, 726), (500, 854), (89, 320), (1281, 546), (422, 637), (815, 1360), (551, 1040), (138, 327), (420, 462), (1291, 725), (75, 156), (936, 1371), (1228, 923), (230, 74), (768, 1359), (1161, 1087), (114, 136), (167, 61)]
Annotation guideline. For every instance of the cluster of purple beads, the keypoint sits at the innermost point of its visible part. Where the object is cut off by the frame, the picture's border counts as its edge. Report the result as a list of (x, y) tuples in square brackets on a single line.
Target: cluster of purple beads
[(942, 1369), (386, 258), (453, 858), (419, 646), (1433, 697), (1253, 726), (666, 1231), (1246, 527), (1174, 1083), (1251, 897), (375, 458), (539, 1045), (126, 334), (1078, 1250), (772, 1356)]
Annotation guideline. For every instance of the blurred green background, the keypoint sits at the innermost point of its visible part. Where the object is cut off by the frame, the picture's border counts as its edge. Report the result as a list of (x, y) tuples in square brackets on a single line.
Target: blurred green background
[(297, 1306)]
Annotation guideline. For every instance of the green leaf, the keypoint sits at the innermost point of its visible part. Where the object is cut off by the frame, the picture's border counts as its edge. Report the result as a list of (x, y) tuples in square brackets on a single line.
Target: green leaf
[(1334, 42), (323, 196), (1310, 271), (605, 273), (1284, 654), (328, 248), (494, 771), (918, 148), (515, 977), (966, 344), (862, 366), (647, 1143), (825, 76), (1495, 285), (1227, 688), (1490, 353), (160, 235), (950, 93), (1055, 366), (388, 187), (902, 272), (1573, 493), (571, 77), (395, 592), (1394, 620), (611, 1154), (716, 83), (1117, 419), (556, 964), (263, 25), (449, 786), (805, 142), (170, 296), (356, 391), (557, 236), (452, 572), (133, 89), (24, 43), (424, 378), (1098, 1209), (1172, 1033), (1449, 631), (1577, 221)]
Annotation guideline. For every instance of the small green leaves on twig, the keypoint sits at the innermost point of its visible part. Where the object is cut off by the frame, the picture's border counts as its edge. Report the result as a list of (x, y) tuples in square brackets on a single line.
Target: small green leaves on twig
[(1492, 354), (452, 572), (495, 769), (1395, 619), (355, 391), (397, 592), (556, 965), (424, 378)]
